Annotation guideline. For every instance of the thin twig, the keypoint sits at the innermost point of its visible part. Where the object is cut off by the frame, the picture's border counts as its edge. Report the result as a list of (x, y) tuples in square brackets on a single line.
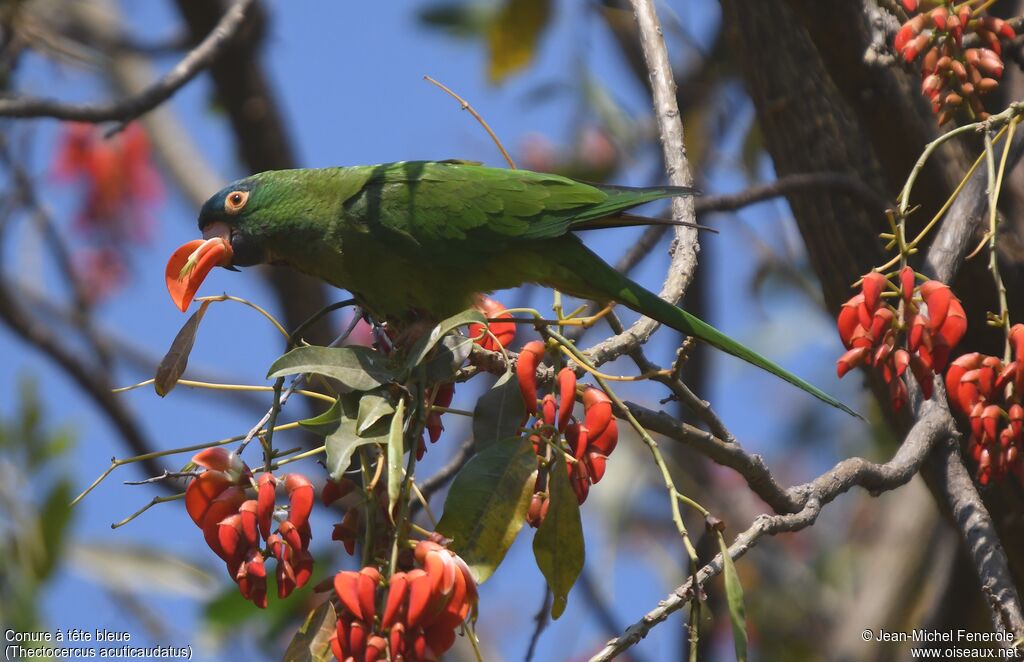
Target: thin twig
[(541, 621), (295, 385), (935, 425), (129, 108), (685, 247), (156, 500), (465, 106)]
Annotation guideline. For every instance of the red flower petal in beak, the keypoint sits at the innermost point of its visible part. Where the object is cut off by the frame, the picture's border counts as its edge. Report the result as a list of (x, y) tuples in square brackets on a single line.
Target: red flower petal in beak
[(189, 266)]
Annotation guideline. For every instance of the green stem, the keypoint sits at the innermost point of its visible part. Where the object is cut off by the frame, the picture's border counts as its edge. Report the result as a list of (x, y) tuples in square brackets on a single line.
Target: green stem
[(267, 440), (412, 436), (995, 187), (370, 513), (295, 335), (300, 456), (261, 311)]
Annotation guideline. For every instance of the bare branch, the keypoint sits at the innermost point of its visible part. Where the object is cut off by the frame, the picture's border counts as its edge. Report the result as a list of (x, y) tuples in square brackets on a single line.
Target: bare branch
[(443, 475), (946, 466), (37, 335), (732, 455), (685, 247), (129, 108), (978, 532), (791, 184), (935, 425)]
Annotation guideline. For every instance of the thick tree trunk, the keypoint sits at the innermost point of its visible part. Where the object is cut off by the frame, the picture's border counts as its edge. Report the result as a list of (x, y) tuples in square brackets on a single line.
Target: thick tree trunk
[(821, 107)]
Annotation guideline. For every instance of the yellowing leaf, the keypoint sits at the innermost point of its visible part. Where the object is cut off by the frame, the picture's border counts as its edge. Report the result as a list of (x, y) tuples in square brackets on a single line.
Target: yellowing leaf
[(734, 595), (487, 503), (396, 449), (312, 643), (558, 545), (173, 365), (513, 35)]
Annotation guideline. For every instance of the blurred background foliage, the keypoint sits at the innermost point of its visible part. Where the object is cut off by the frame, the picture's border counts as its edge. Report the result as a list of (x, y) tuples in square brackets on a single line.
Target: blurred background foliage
[(765, 89)]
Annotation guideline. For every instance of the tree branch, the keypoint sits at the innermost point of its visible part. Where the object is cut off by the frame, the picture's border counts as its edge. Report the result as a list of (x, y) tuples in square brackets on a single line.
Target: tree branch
[(935, 425), (791, 184), (129, 108), (685, 247), (945, 467), (95, 387)]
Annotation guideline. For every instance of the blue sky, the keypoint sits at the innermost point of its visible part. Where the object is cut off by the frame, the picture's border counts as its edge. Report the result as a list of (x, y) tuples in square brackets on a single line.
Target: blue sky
[(349, 77)]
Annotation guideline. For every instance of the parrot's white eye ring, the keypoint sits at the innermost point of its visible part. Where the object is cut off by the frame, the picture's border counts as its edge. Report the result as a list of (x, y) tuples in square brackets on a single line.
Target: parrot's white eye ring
[(235, 201)]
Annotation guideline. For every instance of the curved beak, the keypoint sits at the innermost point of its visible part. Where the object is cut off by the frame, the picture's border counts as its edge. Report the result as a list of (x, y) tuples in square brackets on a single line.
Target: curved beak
[(191, 262), (220, 229)]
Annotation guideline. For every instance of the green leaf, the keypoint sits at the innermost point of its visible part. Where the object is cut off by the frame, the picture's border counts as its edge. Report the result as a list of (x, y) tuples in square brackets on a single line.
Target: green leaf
[(396, 449), (357, 368), (499, 413), (449, 357), (325, 423), (312, 643), (423, 346), (513, 35), (338, 425), (341, 445), (734, 596), (487, 503), (54, 516), (372, 407), (173, 365), (558, 545)]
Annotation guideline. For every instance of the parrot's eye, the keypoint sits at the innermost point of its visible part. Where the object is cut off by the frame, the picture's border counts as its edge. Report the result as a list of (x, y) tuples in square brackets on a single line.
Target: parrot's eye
[(235, 201)]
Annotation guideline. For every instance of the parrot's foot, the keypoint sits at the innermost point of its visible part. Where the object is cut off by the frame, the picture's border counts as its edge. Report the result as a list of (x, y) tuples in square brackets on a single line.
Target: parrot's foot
[(406, 334)]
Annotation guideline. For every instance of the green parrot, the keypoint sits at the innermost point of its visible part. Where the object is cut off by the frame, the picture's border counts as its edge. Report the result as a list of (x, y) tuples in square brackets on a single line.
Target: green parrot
[(424, 239)]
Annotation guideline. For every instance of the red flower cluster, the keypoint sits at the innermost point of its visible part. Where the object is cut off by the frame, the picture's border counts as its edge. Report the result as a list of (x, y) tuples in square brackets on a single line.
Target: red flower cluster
[(422, 608), (953, 77), (589, 442), (120, 184), (989, 393), (118, 174), (919, 334), (505, 332), (218, 500)]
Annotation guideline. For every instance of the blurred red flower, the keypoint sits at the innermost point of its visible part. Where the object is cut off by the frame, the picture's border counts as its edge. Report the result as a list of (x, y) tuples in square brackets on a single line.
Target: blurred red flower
[(120, 187)]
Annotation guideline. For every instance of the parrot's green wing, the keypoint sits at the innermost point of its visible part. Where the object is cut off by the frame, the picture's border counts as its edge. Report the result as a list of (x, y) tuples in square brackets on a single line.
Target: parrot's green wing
[(449, 208), (435, 202)]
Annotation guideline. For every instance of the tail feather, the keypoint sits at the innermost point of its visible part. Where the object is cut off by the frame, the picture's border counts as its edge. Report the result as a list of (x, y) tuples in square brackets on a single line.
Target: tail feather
[(621, 198), (633, 220), (598, 280), (647, 303)]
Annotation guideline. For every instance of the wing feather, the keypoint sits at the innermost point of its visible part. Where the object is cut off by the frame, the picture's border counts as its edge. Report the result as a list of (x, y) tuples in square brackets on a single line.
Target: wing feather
[(433, 203)]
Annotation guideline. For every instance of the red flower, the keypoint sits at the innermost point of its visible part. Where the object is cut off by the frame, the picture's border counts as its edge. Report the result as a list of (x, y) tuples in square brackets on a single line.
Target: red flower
[(919, 334), (989, 393), (503, 332), (119, 178), (422, 607), (233, 520)]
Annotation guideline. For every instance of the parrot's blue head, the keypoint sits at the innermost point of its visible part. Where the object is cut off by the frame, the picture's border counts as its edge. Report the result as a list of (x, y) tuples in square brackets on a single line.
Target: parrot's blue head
[(233, 214)]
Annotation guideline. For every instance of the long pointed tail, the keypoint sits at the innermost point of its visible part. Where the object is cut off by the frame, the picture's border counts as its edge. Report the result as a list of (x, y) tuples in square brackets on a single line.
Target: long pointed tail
[(610, 284)]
